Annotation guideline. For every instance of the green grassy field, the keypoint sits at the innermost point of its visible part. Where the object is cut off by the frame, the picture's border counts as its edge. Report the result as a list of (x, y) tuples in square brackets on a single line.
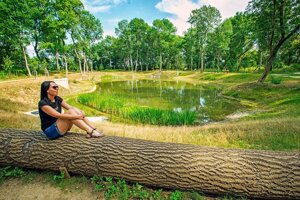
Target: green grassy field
[(272, 123)]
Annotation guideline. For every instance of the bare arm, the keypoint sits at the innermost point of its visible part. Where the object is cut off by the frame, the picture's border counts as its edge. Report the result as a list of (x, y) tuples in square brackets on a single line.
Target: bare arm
[(66, 106), (50, 111)]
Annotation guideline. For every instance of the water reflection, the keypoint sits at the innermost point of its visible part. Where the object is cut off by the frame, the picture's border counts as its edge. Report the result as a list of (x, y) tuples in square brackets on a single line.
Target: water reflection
[(173, 95)]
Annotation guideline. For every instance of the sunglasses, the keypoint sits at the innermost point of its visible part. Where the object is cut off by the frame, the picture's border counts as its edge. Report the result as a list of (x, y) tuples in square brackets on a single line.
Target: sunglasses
[(55, 87)]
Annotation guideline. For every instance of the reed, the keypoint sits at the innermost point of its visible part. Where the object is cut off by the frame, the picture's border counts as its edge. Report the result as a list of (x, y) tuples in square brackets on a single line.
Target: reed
[(115, 105)]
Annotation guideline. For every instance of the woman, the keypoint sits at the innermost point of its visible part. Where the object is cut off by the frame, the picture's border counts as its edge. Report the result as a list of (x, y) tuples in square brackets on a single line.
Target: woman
[(54, 123)]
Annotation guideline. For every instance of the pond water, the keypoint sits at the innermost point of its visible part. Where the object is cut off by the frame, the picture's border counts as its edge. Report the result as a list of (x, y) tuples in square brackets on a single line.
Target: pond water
[(177, 96)]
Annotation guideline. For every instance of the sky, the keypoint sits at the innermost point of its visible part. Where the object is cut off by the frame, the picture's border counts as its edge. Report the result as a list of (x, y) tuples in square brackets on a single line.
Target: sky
[(110, 12)]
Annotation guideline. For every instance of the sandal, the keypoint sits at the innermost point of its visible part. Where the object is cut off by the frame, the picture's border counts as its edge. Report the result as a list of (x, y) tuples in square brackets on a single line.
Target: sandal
[(94, 134)]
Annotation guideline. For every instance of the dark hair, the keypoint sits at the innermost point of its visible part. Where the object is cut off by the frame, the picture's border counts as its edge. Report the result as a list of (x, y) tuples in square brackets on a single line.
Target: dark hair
[(44, 87)]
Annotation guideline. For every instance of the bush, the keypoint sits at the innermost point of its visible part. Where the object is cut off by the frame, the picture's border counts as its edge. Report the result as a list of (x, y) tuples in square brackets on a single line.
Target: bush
[(210, 77), (295, 66), (275, 80), (10, 172)]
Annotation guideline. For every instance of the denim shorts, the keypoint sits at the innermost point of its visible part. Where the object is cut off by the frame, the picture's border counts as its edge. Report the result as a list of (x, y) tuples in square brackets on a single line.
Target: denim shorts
[(52, 132)]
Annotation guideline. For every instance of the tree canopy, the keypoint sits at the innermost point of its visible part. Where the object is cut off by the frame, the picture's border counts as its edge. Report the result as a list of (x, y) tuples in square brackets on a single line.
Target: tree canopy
[(65, 36)]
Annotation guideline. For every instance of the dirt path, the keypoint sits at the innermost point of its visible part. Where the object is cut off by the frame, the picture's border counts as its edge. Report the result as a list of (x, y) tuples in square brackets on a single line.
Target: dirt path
[(15, 189)]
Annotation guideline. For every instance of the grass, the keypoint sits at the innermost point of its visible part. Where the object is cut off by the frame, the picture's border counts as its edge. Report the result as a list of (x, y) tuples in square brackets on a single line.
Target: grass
[(108, 187), (103, 187), (9, 171), (273, 124), (116, 106), (246, 134)]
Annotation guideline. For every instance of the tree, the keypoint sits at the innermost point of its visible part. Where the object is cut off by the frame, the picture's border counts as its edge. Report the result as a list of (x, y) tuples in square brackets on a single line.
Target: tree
[(189, 47), (17, 26), (39, 14), (251, 173), (276, 21), (124, 44), (204, 20), (241, 41), (138, 30), (218, 43), (90, 32), (8, 65), (164, 33), (290, 52)]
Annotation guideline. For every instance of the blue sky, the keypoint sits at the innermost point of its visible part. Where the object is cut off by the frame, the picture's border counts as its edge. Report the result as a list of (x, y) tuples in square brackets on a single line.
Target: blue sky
[(110, 12)]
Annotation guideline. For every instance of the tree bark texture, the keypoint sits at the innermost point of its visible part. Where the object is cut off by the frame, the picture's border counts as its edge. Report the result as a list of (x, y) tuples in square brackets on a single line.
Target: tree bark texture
[(25, 60), (250, 173)]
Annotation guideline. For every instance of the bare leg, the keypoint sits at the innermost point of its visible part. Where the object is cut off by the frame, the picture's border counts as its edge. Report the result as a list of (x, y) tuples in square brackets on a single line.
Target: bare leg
[(65, 125), (88, 122)]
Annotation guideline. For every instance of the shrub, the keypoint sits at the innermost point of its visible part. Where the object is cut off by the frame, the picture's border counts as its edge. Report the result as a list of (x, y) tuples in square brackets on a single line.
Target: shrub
[(275, 80)]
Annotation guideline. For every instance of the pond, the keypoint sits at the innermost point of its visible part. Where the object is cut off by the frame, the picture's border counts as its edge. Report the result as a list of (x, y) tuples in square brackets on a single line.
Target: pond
[(161, 102)]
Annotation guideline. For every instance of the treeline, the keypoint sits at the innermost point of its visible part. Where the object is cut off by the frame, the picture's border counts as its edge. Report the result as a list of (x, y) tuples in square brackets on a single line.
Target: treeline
[(66, 36)]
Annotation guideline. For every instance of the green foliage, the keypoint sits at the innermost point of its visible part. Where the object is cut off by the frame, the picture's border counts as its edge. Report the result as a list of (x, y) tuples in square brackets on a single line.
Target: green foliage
[(287, 69), (59, 178), (157, 195), (66, 183), (275, 80), (226, 45), (9, 171), (115, 105), (176, 195), (119, 189), (210, 77), (8, 65), (158, 117)]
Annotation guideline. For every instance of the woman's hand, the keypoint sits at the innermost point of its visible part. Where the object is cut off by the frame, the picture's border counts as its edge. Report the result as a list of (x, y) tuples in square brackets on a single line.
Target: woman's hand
[(79, 111), (80, 116)]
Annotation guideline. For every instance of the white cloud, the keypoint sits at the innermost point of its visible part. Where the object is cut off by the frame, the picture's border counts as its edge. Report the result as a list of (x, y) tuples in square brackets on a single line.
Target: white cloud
[(110, 32), (181, 9), (227, 8), (114, 20), (95, 6), (97, 9)]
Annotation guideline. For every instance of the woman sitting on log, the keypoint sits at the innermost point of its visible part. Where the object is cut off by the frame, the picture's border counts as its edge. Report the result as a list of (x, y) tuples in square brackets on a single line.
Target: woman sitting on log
[(54, 123)]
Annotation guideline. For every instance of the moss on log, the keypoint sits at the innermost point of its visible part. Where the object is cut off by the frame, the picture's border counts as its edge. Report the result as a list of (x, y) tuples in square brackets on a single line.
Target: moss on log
[(251, 173)]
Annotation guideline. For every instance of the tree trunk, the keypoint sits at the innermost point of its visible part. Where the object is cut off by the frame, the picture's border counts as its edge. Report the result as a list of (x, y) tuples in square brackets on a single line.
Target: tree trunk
[(191, 62), (57, 64), (86, 66), (131, 62), (202, 60), (147, 61), (160, 61), (91, 65), (125, 64), (284, 37), (199, 61), (136, 61), (267, 68), (36, 41), (260, 60), (79, 61), (25, 60), (66, 65), (250, 173), (218, 58)]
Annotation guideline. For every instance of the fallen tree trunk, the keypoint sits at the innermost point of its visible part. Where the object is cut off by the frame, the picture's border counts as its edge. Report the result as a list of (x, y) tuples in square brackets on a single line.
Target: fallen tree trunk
[(250, 173)]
